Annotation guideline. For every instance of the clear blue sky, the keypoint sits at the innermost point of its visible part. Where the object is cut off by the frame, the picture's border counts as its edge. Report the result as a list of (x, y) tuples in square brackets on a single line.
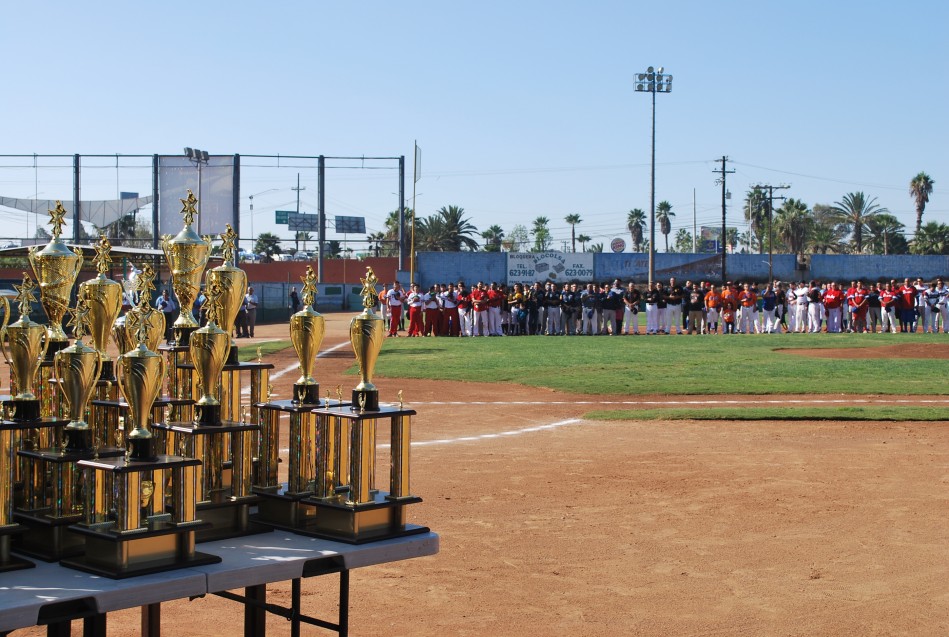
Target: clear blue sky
[(521, 109)]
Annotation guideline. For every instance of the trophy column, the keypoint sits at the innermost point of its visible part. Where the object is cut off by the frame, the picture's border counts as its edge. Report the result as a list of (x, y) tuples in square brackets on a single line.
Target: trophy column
[(9, 529)]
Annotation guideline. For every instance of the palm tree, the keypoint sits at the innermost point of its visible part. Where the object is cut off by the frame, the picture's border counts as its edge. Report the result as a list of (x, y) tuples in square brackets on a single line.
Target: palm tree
[(583, 239), (541, 234), (596, 247), (885, 233), (792, 224), (826, 232), (445, 231), (854, 212), (920, 187), (573, 220), (268, 244), (664, 216), (636, 224), (756, 213), (493, 237), (932, 238), (303, 236), (683, 240)]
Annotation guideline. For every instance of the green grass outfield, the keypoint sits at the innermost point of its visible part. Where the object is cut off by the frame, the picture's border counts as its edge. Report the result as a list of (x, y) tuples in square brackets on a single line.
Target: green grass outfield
[(641, 365)]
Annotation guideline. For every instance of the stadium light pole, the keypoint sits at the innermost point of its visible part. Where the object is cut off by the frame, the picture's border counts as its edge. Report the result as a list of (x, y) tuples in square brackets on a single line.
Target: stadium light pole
[(251, 197), (653, 81)]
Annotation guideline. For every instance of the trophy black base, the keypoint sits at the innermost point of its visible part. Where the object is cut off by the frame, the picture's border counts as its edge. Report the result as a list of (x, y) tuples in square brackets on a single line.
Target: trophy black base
[(108, 371), (227, 520), (142, 449), (24, 410), (232, 358), (55, 346), (8, 561), (306, 394), (78, 440), (183, 335), (207, 415), (371, 398), (382, 519), (283, 510), (48, 539), (121, 555)]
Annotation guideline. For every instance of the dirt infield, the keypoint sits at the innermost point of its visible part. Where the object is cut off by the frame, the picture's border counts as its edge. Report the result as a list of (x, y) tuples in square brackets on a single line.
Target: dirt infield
[(908, 350), (552, 525)]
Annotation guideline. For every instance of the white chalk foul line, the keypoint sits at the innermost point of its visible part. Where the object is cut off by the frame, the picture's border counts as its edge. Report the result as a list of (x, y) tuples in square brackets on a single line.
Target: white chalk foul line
[(287, 370), (500, 434)]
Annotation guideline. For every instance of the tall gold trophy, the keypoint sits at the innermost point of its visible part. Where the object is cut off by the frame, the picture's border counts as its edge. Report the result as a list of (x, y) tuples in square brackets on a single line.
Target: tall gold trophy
[(306, 333), (56, 268), (140, 373), (232, 284), (77, 368), (187, 254), (367, 334), (208, 347), (28, 343), (103, 298), (125, 330)]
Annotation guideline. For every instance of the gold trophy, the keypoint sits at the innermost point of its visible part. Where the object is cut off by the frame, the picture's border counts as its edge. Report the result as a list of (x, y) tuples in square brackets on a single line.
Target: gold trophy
[(367, 334), (6, 316), (28, 343), (208, 347), (103, 298), (139, 373), (125, 332), (77, 367), (232, 284), (56, 268), (187, 254), (306, 333)]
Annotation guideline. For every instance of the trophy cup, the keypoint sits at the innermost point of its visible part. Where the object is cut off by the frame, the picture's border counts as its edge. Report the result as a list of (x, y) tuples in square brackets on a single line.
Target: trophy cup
[(139, 373), (125, 333), (28, 343), (209, 347), (232, 285), (56, 268), (306, 333), (187, 254), (103, 298), (77, 367), (367, 334)]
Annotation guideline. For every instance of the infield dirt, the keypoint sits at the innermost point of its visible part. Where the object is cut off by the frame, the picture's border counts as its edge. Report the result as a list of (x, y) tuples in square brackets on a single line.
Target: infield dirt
[(552, 525)]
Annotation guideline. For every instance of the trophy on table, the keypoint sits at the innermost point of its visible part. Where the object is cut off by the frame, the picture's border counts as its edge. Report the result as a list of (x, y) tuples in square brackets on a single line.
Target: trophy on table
[(56, 268), (103, 298), (187, 255), (307, 328), (140, 373), (125, 331), (77, 368), (367, 334), (209, 347), (28, 343), (232, 286)]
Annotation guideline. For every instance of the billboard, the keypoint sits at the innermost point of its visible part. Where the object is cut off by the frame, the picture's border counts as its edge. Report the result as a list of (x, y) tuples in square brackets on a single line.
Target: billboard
[(559, 267)]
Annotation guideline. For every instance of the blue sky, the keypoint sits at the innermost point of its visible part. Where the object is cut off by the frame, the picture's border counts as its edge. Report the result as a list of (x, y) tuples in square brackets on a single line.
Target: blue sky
[(521, 109)]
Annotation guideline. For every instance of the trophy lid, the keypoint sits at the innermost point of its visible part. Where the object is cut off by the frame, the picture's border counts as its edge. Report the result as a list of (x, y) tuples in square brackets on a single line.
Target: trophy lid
[(25, 298), (103, 262), (187, 235), (79, 321), (229, 237), (369, 295)]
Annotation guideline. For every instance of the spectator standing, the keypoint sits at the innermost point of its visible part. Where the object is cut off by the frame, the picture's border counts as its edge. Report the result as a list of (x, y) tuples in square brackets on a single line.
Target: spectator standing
[(674, 295), (167, 306), (695, 304), (294, 301), (251, 299)]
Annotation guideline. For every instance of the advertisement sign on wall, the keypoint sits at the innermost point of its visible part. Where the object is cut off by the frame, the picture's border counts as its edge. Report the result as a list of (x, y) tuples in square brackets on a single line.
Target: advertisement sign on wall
[(559, 267)]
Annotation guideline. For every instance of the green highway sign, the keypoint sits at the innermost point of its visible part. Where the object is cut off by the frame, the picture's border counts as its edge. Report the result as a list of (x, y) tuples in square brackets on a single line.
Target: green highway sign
[(283, 216)]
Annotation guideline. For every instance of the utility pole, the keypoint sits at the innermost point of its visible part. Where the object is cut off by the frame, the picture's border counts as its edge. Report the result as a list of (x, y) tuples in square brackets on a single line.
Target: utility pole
[(723, 172), (771, 199), (298, 189)]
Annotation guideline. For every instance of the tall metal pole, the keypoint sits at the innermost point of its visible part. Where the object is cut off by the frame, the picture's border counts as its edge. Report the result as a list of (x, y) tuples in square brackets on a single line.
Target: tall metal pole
[(652, 198), (77, 201), (155, 202), (724, 239), (321, 207)]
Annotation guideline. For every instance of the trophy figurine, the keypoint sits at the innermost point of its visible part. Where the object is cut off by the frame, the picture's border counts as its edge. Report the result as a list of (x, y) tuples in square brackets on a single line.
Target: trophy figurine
[(77, 367), (124, 333), (139, 373), (306, 333), (208, 347), (232, 285), (103, 298), (28, 342), (56, 268), (367, 333), (187, 254)]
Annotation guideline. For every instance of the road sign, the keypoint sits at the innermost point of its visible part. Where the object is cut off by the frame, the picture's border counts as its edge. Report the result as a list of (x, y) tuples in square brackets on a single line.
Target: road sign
[(350, 225), (303, 222), (283, 216)]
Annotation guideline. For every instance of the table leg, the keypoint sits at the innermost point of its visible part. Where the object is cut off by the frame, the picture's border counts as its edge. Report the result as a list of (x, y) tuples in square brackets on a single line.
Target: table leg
[(94, 626), (295, 608), (59, 629), (344, 603), (255, 617), (151, 620)]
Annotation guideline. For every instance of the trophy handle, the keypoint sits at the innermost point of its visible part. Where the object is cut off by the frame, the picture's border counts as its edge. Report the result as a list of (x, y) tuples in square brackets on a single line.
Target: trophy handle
[(46, 341), (119, 376), (58, 377), (3, 345), (6, 313), (161, 374)]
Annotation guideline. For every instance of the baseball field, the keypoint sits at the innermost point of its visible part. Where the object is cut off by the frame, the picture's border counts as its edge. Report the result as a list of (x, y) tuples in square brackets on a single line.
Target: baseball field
[(676, 485)]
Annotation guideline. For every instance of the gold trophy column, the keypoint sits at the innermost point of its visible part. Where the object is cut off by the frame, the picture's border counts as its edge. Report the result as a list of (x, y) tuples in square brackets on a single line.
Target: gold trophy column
[(187, 255)]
